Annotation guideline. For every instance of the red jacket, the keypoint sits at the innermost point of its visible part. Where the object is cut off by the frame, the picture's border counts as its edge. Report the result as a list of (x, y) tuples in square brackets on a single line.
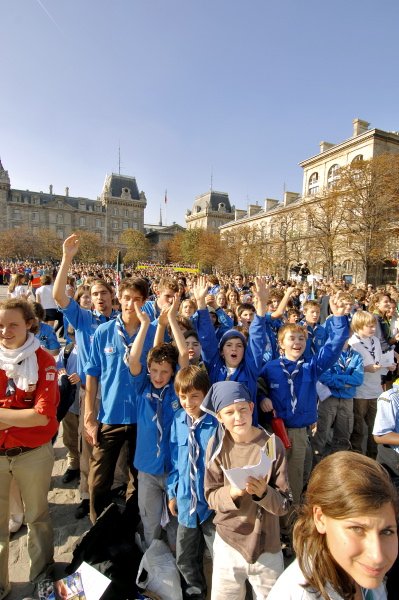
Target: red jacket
[(44, 399)]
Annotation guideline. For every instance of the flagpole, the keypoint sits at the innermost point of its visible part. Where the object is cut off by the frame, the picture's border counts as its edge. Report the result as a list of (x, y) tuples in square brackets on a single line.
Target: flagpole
[(166, 201)]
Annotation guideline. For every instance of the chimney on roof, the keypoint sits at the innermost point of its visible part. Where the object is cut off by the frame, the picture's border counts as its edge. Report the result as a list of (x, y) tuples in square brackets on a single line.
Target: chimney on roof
[(325, 146), (359, 127), (67, 192), (50, 189)]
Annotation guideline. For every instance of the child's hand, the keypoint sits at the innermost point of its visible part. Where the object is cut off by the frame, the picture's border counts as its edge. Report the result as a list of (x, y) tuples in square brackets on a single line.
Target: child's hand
[(163, 316), (172, 507), (236, 492), (142, 316), (200, 290), (261, 293), (266, 405), (74, 378), (174, 307), (256, 487), (337, 305), (210, 300)]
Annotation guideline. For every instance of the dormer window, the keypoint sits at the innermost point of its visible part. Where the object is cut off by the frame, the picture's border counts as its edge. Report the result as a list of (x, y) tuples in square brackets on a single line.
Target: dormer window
[(221, 207)]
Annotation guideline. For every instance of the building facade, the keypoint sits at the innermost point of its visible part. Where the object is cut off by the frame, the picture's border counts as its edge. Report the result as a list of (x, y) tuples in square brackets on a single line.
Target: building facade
[(120, 206), (285, 225)]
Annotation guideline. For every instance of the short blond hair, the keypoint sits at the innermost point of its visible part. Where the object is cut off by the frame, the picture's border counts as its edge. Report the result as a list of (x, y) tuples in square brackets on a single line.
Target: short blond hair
[(360, 319)]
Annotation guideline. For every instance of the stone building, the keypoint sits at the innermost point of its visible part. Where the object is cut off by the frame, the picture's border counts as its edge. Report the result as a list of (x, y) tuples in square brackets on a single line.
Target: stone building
[(120, 206), (278, 220), (210, 211)]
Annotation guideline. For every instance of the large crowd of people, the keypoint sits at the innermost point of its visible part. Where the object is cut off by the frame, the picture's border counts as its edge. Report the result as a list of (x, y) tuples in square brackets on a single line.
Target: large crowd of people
[(246, 417)]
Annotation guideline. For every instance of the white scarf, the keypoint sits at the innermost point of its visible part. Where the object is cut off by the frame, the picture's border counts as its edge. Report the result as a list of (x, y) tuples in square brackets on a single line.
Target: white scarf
[(21, 364)]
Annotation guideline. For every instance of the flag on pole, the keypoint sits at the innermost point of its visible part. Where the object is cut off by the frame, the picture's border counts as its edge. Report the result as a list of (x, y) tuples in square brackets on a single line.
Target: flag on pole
[(166, 196)]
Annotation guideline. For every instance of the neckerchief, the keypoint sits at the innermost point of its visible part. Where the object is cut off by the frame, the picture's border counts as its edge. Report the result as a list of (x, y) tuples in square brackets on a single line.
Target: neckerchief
[(100, 318), (193, 455), (158, 415), (290, 380), (370, 350), (121, 331)]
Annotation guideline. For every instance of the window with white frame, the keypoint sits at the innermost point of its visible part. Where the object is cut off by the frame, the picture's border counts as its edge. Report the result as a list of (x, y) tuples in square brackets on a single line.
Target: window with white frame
[(82, 221), (125, 225), (98, 223), (313, 186), (332, 175)]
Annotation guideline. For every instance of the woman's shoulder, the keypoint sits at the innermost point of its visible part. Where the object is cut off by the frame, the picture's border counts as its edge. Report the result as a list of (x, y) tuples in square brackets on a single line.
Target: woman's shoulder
[(290, 585)]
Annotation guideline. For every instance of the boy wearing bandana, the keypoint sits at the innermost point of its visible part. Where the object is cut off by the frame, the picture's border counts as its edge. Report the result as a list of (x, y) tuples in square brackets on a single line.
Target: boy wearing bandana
[(247, 541)]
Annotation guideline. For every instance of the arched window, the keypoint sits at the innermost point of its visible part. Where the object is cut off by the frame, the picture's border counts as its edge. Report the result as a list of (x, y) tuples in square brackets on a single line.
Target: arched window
[(313, 187), (332, 175), (358, 157)]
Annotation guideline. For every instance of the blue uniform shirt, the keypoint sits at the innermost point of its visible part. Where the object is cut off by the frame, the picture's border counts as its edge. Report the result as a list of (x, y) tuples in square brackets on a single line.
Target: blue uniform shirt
[(47, 337), (118, 401), (85, 323), (147, 458), (305, 411), (178, 484)]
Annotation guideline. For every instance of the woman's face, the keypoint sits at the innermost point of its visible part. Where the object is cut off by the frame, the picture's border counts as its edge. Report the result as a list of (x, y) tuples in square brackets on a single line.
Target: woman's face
[(187, 310), (13, 328), (364, 546), (383, 304), (221, 300)]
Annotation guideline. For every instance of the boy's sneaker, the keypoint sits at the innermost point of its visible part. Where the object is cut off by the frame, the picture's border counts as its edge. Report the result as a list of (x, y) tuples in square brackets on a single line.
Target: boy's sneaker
[(83, 509)]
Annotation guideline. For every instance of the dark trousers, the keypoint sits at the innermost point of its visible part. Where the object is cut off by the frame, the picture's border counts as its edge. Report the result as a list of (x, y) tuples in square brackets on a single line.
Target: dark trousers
[(102, 467), (190, 545), (364, 413)]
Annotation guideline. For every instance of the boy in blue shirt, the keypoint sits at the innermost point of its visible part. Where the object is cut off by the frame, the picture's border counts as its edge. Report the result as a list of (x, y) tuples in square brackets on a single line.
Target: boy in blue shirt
[(232, 358), (317, 335), (336, 410), (190, 434), (291, 382), (156, 404)]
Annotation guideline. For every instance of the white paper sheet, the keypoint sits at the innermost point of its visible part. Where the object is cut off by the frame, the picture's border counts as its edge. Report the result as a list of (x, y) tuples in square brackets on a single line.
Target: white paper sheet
[(238, 476)]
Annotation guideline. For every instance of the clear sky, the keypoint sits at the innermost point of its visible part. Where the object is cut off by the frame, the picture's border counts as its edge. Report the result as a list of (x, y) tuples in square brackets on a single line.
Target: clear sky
[(241, 89)]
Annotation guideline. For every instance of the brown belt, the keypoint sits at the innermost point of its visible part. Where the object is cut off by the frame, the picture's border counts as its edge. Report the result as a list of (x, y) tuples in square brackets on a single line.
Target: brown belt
[(11, 452)]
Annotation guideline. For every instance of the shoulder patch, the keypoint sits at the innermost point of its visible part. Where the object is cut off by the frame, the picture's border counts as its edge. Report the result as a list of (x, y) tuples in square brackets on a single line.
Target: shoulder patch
[(175, 405), (50, 376)]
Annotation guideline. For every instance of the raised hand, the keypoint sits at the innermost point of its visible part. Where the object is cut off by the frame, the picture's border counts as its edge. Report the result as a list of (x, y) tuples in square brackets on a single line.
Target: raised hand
[(337, 305), (200, 290), (70, 246), (142, 316)]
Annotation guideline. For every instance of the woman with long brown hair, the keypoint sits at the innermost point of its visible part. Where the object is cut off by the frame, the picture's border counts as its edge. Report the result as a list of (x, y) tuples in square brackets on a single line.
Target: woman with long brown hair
[(345, 537)]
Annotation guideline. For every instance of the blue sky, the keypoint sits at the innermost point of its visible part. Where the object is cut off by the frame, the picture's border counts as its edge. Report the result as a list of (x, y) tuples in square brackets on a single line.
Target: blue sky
[(241, 89)]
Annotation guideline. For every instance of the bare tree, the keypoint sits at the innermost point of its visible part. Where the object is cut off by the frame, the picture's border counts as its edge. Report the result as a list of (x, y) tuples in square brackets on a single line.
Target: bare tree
[(370, 193)]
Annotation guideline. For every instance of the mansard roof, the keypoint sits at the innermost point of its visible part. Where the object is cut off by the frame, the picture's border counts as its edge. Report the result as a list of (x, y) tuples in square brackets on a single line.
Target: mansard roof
[(214, 201), (115, 185)]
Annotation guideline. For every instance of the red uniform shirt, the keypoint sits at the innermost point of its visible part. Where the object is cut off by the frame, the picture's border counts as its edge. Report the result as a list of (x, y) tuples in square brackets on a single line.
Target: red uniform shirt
[(44, 400)]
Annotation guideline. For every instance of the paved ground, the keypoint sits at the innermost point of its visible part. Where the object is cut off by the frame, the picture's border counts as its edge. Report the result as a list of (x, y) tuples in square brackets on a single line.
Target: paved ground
[(63, 500)]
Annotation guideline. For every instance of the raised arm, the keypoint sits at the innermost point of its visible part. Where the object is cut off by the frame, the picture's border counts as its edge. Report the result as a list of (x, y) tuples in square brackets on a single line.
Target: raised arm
[(162, 323), (177, 333), (69, 249), (262, 295), (283, 304), (200, 290), (138, 344)]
